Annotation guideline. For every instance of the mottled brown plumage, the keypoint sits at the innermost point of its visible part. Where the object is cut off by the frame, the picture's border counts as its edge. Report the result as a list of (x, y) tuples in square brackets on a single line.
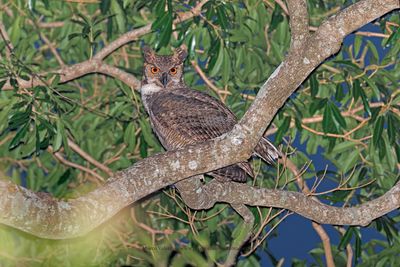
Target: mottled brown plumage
[(181, 116)]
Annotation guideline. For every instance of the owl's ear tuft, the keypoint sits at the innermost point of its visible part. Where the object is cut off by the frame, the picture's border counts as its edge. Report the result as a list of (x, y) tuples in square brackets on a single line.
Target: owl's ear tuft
[(148, 54), (180, 54)]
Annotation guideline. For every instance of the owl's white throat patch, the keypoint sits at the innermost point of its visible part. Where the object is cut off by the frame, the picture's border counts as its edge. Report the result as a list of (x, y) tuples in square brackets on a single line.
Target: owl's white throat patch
[(150, 88)]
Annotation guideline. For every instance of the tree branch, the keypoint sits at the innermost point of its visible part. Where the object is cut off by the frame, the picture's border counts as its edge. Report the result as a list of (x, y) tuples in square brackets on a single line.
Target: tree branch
[(89, 158), (298, 15)]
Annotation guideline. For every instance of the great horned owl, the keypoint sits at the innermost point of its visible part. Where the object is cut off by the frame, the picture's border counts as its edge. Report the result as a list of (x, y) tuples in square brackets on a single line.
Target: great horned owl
[(181, 116)]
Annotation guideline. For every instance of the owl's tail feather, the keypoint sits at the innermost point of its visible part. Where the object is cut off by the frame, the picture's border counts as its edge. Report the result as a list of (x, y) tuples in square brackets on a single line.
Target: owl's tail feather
[(237, 172), (267, 151)]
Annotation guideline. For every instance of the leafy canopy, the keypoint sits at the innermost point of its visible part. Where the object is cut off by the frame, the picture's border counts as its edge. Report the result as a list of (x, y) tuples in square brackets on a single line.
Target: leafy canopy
[(341, 125)]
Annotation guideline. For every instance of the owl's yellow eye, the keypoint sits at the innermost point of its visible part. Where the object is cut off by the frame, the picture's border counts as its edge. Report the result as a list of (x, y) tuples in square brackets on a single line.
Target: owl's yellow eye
[(173, 71), (154, 70)]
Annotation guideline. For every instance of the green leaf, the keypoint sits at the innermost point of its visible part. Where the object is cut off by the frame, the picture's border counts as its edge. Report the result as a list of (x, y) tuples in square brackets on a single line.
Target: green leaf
[(276, 18), (347, 63), (373, 86), (391, 127), (356, 90), (378, 129), (165, 32), (346, 238), (394, 37), (104, 6), (328, 123), (351, 160), (19, 118), (357, 44), (32, 5), (99, 19), (314, 85), (317, 104), (161, 21), (283, 128), (218, 64), (59, 136), (195, 258), (365, 102), (337, 115), (37, 140), (16, 29), (226, 70), (21, 133), (357, 245), (73, 35), (129, 136), (147, 133), (339, 94), (14, 83), (2, 83), (373, 49), (64, 177), (85, 19), (222, 18)]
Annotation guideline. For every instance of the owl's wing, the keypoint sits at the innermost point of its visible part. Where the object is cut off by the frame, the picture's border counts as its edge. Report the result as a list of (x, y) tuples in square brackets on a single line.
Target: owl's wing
[(184, 116)]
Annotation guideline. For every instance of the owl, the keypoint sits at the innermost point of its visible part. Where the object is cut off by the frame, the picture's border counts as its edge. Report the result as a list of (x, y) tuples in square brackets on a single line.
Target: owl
[(183, 116)]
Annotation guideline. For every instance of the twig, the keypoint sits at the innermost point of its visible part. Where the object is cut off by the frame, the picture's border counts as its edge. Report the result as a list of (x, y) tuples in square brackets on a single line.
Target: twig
[(89, 158), (6, 39), (317, 227), (53, 24), (199, 71), (99, 180)]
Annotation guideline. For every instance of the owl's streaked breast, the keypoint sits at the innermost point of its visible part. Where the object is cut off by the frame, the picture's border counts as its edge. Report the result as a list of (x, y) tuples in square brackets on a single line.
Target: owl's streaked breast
[(183, 116)]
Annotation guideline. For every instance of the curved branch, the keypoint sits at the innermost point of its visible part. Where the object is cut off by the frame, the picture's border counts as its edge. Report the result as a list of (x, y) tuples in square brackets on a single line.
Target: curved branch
[(46, 217), (304, 205)]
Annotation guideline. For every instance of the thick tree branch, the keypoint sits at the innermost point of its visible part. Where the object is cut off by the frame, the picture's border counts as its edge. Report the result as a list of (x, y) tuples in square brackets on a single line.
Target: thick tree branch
[(49, 218), (298, 15)]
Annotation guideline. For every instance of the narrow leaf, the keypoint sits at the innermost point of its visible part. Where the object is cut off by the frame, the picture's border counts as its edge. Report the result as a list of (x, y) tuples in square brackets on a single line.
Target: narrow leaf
[(356, 89), (346, 238), (283, 128), (337, 115), (19, 136), (314, 85), (378, 129), (2, 83), (391, 128), (365, 102)]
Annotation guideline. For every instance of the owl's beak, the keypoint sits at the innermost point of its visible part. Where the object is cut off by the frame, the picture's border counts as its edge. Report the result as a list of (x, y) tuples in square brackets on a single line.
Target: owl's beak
[(164, 79)]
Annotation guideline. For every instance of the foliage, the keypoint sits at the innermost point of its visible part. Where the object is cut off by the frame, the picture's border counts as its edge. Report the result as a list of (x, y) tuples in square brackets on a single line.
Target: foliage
[(346, 112)]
